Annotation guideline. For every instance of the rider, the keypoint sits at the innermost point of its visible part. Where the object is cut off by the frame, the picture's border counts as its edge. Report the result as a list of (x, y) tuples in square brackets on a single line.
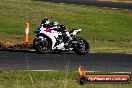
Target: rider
[(65, 31)]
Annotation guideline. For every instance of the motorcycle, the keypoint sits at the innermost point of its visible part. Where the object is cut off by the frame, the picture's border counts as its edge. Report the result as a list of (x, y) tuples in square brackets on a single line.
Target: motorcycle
[(48, 39)]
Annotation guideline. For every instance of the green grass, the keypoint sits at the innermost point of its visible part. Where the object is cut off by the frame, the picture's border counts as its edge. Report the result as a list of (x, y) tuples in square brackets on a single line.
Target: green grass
[(98, 24), (27, 79)]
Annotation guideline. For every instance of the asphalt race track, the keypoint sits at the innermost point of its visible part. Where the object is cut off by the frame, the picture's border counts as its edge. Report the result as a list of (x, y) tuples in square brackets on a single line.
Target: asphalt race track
[(22, 60), (94, 3)]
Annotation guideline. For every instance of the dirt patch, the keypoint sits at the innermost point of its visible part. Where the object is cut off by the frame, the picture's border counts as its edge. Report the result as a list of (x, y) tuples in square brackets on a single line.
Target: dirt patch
[(7, 45)]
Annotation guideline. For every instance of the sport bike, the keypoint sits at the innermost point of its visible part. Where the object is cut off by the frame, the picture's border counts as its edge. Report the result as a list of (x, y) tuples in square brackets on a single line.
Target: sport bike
[(49, 39)]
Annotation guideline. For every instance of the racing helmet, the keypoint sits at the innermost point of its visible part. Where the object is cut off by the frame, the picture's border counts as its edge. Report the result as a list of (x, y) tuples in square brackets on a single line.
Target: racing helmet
[(62, 27), (45, 21)]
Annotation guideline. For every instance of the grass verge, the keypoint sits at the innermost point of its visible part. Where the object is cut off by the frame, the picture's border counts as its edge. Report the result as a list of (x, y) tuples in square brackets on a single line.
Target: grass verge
[(27, 79)]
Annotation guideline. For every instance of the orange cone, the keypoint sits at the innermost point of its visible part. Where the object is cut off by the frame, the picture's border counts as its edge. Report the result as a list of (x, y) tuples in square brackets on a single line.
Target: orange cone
[(26, 33)]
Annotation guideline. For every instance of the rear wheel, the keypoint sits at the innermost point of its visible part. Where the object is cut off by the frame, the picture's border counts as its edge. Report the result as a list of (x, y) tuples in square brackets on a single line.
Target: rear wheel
[(81, 47), (41, 44)]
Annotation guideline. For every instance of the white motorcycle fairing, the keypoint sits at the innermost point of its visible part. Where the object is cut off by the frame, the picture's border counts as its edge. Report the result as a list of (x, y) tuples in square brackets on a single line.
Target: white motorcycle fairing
[(52, 35)]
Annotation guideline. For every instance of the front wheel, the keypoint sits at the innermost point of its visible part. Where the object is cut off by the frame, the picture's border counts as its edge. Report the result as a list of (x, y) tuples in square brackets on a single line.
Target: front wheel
[(41, 45), (81, 46)]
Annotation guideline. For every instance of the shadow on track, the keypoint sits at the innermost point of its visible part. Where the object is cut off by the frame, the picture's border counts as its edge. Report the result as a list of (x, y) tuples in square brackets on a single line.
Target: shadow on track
[(120, 5), (33, 51)]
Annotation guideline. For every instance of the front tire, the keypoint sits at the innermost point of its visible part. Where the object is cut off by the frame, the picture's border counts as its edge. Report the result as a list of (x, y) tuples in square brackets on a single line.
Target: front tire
[(81, 47), (41, 45)]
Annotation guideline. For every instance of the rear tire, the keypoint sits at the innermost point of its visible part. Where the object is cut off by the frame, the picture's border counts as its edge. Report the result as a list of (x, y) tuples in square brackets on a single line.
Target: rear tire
[(81, 49)]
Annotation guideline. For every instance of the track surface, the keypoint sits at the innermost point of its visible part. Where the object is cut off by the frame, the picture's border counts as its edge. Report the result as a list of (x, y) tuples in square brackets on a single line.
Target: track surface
[(94, 3), (16, 60)]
